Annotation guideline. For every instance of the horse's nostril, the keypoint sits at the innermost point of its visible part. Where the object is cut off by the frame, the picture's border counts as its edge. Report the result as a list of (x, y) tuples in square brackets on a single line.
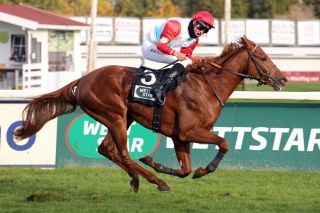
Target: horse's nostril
[(284, 80)]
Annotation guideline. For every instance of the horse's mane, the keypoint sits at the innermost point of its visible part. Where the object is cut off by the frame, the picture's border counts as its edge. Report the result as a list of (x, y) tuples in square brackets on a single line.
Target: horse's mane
[(199, 64)]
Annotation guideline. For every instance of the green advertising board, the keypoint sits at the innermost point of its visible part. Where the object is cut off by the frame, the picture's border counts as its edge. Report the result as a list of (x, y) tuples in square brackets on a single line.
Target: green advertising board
[(260, 136)]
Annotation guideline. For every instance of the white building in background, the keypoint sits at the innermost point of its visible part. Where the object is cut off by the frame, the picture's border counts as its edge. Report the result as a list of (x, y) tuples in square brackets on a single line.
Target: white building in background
[(39, 50)]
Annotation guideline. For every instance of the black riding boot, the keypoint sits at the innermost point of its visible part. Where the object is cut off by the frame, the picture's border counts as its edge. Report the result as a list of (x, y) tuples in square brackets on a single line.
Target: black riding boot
[(161, 89), (158, 95)]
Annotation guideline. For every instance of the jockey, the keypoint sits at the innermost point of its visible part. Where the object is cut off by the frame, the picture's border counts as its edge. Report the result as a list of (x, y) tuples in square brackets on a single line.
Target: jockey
[(174, 40)]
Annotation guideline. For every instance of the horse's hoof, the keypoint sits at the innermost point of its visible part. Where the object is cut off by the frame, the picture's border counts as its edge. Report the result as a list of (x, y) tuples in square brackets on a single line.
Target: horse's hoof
[(134, 184), (164, 188), (198, 173)]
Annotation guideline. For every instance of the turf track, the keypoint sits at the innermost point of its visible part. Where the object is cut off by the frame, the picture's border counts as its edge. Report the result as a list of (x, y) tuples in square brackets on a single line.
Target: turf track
[(107, 190)]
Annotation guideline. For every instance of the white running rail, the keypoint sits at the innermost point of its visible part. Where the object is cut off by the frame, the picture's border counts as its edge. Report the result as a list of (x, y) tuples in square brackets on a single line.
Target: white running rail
[(25, 95)]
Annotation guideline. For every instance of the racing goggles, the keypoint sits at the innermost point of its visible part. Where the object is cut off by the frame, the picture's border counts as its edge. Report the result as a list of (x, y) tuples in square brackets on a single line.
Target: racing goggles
[(203, 27)]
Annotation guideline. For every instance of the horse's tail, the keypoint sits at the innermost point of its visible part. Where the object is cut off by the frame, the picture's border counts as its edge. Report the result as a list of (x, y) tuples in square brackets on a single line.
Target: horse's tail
[(44, 108)]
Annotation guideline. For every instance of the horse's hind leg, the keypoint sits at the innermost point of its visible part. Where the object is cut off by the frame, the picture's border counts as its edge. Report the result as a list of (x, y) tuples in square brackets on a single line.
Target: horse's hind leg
[(108, 149), (119, 135), (183, 155), (117, 150)]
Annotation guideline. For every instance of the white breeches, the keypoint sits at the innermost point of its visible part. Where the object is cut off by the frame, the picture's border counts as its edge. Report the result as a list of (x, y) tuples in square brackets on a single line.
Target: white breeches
[(150, 52)]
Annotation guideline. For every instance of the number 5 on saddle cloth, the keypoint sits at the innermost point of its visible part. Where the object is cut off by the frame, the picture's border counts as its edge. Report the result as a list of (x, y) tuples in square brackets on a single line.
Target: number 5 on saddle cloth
[(150, 86)]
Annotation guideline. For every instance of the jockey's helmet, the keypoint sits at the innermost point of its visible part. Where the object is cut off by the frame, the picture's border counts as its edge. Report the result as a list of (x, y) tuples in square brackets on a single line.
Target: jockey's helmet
[(204, 17)]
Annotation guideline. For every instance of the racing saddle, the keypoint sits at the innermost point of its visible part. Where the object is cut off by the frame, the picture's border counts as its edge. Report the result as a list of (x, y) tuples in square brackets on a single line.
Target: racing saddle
[(150, 87)]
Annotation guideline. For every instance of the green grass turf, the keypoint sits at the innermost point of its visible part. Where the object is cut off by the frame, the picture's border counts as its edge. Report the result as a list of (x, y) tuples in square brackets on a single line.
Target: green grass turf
[(107, 190)]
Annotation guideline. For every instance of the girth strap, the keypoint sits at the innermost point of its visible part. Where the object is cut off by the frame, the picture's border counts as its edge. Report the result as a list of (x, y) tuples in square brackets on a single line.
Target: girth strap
[(157, 116)]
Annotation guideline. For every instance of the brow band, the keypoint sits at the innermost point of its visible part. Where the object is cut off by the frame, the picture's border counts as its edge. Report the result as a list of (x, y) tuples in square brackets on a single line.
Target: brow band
[(255, 48)]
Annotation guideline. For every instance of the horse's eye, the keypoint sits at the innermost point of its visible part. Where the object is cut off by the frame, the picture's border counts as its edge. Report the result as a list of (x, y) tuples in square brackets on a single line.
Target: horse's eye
[(263, 58)]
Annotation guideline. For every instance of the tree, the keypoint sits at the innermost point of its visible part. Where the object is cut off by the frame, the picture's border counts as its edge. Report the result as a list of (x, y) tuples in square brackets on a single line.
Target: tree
[(316, 6), (189, 7), (75, 7), (52, 6), (131, 7), (282, 7), (300, 11), (182, 8), (163, 8), (239, 9), (105, 8), (83, 8), (259, 9)]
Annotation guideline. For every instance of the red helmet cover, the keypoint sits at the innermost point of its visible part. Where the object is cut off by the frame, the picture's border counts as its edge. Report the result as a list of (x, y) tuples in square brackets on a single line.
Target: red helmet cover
[(204, 16)]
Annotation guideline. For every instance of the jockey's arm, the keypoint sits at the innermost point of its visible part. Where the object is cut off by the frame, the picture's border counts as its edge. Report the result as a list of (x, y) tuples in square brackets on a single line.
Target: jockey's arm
[(170, 31), (189, 50), (163, 47)]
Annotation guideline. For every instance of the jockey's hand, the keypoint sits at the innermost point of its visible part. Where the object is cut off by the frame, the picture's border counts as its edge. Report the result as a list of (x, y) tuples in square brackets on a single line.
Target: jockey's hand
[(180, 56)]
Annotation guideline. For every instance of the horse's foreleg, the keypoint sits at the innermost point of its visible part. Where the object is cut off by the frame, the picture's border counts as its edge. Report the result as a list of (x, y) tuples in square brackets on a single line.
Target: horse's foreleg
[(157, 166), (206, 137), (211, 167), (183, 155)]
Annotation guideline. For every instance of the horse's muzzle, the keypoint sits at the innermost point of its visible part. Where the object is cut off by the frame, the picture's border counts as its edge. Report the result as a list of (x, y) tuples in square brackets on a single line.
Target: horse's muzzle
[(277, 84), (284, 81)]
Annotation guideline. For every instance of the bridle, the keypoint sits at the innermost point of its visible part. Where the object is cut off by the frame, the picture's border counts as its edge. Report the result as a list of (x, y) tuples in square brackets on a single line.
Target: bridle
[(263, 78)]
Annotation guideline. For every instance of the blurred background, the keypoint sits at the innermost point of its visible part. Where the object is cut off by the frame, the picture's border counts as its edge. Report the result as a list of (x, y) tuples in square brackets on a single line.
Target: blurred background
[(283, 9), (39, 54)]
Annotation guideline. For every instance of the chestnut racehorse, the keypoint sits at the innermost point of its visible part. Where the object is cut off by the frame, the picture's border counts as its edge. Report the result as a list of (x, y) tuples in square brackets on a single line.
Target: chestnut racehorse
[(189, 113)]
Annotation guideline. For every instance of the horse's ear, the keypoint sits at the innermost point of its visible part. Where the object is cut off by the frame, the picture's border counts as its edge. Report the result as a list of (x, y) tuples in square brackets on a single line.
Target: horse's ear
[(244, 41), (247, 42)]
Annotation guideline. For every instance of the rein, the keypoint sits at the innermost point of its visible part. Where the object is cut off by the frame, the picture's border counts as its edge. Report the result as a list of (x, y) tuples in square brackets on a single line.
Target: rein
[(213, 91), (241, 75), (262, 74), (262, 79)]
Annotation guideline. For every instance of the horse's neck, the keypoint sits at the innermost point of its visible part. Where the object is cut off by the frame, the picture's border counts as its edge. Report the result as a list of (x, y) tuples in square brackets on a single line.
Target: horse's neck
[(226, 82)]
